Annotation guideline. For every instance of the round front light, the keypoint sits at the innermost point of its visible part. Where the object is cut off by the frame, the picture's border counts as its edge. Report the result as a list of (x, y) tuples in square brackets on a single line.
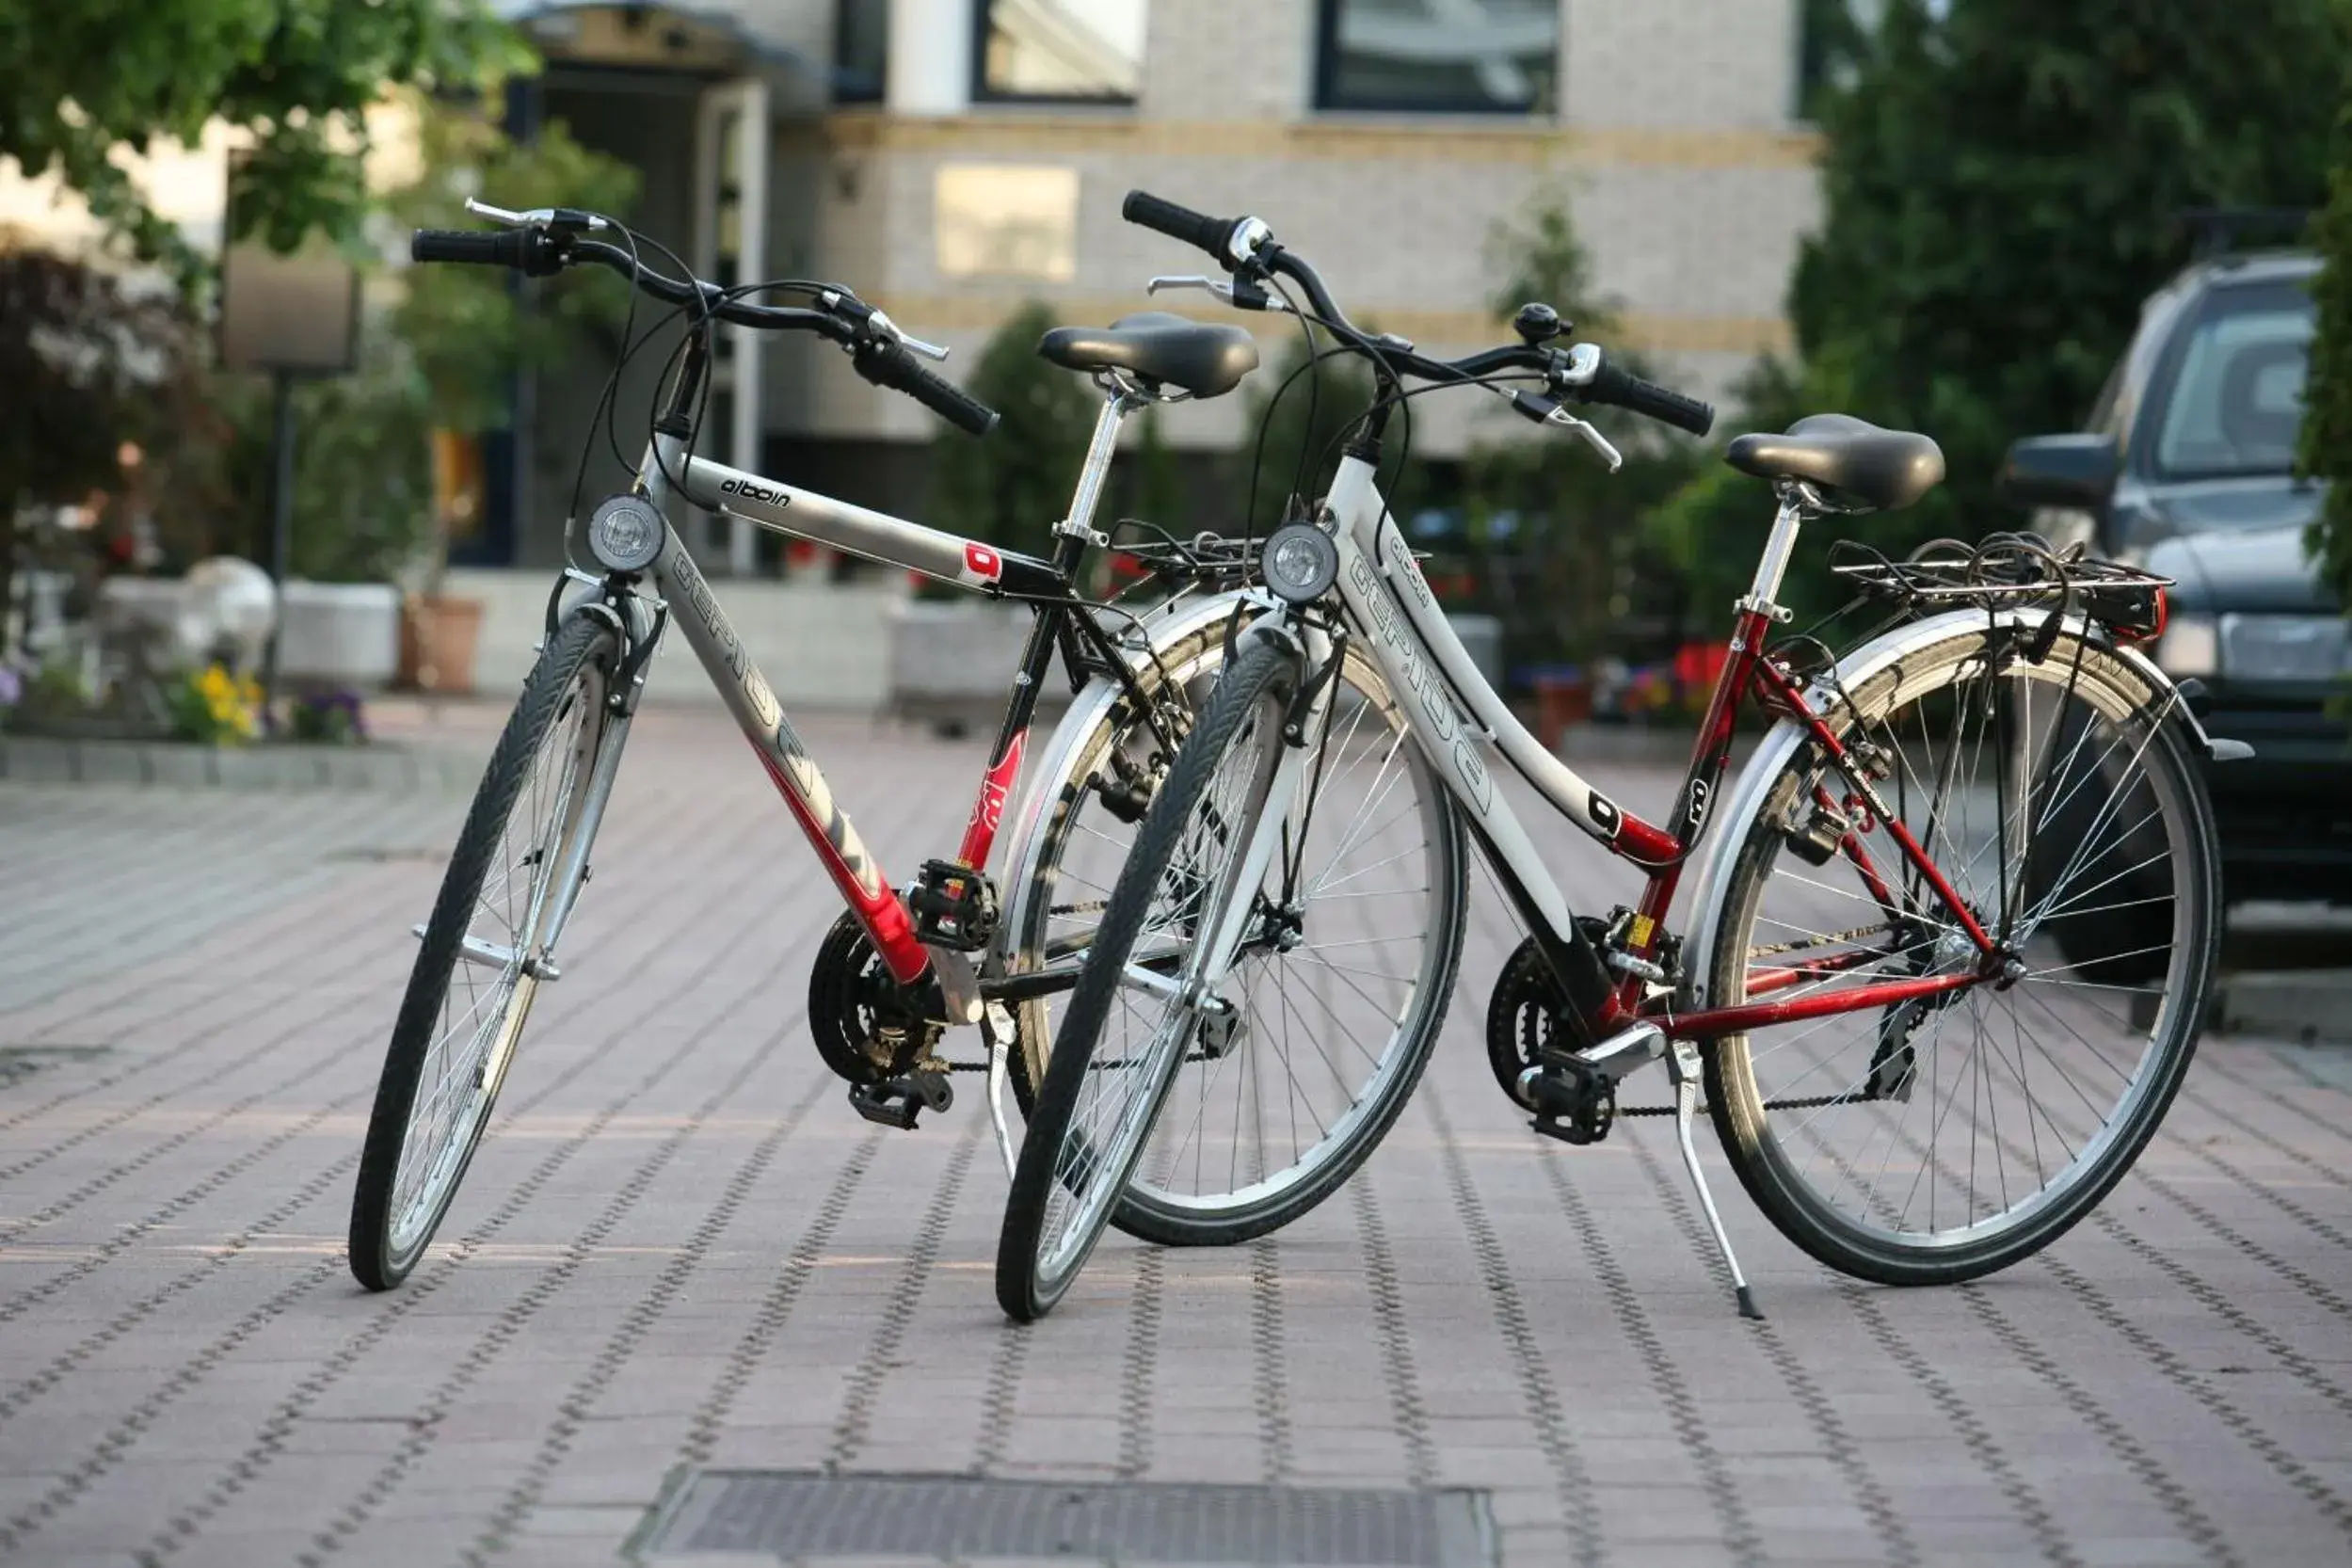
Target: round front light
[(626, 534), (1301, 563)]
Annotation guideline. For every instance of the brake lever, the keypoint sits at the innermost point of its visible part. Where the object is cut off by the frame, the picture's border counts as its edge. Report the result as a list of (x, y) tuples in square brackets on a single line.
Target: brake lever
[(1545, 411), (879, 323), (1599, 442), (538, 218), (1256, 300)]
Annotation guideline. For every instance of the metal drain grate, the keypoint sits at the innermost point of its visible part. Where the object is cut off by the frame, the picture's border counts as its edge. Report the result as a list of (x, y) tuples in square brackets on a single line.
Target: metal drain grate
[(793, 1514)]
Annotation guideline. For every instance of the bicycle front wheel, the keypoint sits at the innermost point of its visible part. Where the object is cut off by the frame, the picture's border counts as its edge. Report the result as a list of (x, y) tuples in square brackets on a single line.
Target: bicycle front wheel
[(477, 970), (1340, 989), (1094, 1110), (1941, 1138)]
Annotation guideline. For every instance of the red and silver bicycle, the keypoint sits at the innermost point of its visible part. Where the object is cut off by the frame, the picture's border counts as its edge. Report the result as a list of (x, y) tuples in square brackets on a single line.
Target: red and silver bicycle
[(1906, 1070), (903, 965)]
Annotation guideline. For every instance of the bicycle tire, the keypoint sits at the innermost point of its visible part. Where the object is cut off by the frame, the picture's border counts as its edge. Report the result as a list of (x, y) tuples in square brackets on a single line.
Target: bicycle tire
[(1152, 1211), (577, 665), (1027, 1289), (1075, 807), (1874, 1244)]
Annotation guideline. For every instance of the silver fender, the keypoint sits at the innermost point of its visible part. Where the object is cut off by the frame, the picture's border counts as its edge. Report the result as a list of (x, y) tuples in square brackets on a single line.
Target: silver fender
[(1871, 659), (1157, 631)]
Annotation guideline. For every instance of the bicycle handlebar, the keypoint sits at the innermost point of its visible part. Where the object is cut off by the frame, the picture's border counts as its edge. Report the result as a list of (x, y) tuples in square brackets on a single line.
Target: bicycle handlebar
[(1181, 223), (1624, 390), (1245, 246), (877, 352)]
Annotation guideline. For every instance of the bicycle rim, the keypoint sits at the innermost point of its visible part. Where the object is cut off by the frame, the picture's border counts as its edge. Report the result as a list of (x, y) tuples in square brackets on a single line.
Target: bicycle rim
[(1939, 1138), (1096, 812), (492, 986), (1125, 1078), (1342, 985)]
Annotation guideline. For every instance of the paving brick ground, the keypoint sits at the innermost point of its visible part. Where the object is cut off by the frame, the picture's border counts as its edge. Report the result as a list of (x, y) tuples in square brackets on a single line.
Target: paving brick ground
[(679, 1246)]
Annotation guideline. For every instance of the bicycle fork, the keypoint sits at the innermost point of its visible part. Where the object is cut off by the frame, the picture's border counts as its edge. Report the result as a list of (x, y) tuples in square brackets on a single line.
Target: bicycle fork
[(1194, 989)]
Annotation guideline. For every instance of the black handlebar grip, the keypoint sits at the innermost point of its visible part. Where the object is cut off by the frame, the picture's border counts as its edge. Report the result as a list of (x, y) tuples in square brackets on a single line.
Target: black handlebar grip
[(1179, 223), (891, 365), (1650, 400), (499, 248)]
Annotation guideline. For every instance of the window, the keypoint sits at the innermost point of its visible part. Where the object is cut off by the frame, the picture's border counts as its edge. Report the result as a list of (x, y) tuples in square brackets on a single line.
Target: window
[(861, 49), (1475, 57), (2236, 402), (1006, 220), (1072, 50)]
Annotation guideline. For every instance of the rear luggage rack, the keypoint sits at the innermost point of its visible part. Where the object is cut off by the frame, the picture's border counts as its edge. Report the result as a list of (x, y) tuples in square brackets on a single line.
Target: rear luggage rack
[(2010, 571)]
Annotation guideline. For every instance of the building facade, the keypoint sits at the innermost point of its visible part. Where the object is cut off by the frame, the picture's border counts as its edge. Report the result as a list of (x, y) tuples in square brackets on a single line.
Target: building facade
[(952, 159)]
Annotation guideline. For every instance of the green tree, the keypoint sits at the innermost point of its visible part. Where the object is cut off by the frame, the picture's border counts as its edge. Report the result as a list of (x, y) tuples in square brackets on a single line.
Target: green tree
[(1012, 485), (79, 78), (468, 329), (2328, 397), (1560, 538), (2000, 184), (464, 332), (362, 475)]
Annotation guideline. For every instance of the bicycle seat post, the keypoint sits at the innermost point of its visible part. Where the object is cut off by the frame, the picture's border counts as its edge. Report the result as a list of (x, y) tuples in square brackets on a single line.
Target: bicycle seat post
[(1077, 531)]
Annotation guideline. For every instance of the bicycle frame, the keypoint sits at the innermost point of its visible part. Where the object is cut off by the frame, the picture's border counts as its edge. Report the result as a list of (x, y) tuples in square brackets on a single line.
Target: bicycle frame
[(667, 473), (1460, 715)]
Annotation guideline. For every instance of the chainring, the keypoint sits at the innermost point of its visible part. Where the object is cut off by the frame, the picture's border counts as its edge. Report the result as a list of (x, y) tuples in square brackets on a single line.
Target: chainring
[(1520, 1017), (869, 1028)]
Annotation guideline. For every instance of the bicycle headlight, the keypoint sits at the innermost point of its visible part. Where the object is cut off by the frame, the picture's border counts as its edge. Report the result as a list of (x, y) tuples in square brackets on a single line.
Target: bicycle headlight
[(626, 534), (1299, 562)]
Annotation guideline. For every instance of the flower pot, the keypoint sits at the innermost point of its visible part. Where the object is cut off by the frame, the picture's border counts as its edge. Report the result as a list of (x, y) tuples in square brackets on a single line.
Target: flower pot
[(1561, 702), (437, 638)]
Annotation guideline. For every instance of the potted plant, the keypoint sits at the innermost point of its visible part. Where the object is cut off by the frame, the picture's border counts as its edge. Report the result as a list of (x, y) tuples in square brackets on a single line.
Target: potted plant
[(467, 332)]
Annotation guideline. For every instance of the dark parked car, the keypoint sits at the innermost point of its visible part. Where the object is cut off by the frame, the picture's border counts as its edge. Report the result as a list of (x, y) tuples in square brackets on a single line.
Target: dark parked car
[(2187, 469)]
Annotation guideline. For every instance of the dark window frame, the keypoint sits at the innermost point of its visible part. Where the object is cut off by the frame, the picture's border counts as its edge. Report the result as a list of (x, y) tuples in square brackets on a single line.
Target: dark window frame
[(840, 75), (1327, 75), (984, 93)]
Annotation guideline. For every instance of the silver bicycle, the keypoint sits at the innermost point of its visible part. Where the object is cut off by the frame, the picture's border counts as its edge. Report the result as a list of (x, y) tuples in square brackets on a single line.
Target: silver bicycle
[(1906, 1072), (903, 965)]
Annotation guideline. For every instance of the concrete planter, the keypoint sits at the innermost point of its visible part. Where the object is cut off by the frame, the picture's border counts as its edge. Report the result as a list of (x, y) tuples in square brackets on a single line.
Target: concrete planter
[(954, 660), (339, 634)]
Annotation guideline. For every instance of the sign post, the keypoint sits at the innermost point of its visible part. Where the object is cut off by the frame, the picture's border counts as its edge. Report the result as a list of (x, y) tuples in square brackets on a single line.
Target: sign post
[(289, 315)]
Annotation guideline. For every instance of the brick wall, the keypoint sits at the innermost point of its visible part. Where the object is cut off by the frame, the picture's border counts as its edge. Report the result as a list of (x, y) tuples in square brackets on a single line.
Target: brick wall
[(1673, 145)]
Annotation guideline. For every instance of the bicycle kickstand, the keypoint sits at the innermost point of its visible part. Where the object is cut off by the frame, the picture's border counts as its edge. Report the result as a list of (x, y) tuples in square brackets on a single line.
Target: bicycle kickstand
[(996, 1024), (1683, 1063)]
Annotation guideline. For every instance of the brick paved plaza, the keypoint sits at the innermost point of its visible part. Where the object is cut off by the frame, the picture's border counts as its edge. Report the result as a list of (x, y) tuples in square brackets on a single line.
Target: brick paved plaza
[(679, 1247)]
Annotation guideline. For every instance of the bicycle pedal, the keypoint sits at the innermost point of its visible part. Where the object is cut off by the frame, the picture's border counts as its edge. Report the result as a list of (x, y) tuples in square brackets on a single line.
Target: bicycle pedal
[(1574, 1104), (953, 906), (897, 1101)]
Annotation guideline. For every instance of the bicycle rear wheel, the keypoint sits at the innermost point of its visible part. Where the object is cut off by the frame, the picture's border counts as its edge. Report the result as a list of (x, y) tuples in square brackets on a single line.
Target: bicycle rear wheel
[(1943, 1138), (478, 969), (1094, 1113)]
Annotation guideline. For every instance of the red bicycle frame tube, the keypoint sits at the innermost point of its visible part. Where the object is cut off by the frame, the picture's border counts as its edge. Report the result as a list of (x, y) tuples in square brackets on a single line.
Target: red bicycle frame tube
[(996, 788), (862, 885), (1664, 852)]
